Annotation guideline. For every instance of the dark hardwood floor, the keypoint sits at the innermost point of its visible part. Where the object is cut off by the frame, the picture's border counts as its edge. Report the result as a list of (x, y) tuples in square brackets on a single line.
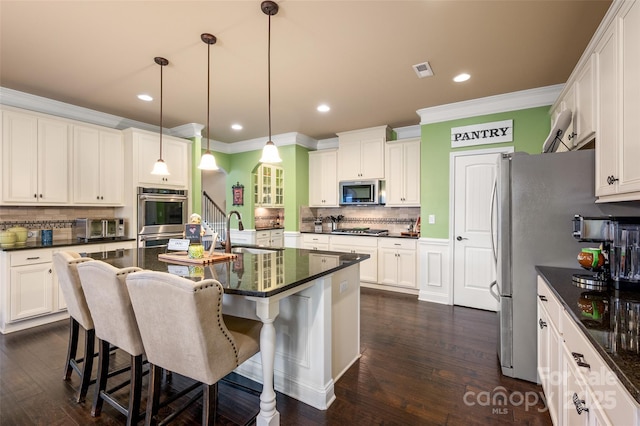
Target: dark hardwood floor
[(421, 364)]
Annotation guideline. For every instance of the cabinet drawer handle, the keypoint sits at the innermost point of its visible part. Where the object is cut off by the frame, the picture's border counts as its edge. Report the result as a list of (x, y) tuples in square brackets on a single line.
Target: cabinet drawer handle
[(579, 359), (579, 403), (542, 297), (542, 324), (611, 180), (33, 258)]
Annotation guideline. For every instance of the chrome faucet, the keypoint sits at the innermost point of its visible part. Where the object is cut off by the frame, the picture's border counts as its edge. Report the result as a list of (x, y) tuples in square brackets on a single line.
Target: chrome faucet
[(227, 240)]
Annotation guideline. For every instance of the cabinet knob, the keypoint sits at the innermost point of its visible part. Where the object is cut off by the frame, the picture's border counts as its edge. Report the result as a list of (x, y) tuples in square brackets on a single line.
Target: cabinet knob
[(97, 197), (40, 195), (542, 324), (35, 195)]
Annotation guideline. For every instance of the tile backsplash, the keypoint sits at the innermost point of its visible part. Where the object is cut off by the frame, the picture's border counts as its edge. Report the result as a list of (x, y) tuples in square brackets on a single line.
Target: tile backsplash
[(59, 219), (393, 219)]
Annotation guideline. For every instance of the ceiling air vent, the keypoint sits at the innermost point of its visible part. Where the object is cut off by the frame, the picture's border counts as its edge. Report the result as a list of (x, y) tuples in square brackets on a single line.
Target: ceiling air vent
[(423, 70)]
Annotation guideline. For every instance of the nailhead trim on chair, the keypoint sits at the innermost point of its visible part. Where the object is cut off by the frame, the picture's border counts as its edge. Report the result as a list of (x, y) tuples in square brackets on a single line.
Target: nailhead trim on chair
[(233, 343)]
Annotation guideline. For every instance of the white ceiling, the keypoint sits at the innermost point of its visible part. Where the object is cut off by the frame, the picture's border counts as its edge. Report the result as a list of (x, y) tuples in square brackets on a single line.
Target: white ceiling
[(356, 56)]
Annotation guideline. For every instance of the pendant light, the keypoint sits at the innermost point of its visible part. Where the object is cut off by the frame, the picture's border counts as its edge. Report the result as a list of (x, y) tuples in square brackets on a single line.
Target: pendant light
[(270, 150), (160, 167), (208, 161)]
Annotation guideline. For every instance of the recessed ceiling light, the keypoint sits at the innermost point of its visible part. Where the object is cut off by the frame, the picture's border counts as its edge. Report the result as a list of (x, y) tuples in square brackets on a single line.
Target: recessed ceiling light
[(323, 108), (461, 77), (236, 126), (145, 97)]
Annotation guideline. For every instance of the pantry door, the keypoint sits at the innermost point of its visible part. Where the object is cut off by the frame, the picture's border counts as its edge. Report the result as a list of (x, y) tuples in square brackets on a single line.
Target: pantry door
[(473, 261)]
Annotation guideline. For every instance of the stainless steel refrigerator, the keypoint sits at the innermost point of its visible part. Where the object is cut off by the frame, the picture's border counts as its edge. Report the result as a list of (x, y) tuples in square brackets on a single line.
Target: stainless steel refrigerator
[(535, 199)]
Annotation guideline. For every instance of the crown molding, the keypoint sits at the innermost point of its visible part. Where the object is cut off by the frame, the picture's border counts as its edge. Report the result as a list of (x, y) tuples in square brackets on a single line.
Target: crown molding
[(514, 101), (43, 105)]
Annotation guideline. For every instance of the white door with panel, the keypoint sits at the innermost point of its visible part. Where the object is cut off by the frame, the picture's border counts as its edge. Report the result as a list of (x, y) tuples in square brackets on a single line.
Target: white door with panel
[(473, 261)]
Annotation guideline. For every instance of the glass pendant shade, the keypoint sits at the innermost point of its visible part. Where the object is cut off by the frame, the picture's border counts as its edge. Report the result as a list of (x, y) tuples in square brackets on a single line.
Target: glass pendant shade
[(160, 168), (270, 153), (208, 162)]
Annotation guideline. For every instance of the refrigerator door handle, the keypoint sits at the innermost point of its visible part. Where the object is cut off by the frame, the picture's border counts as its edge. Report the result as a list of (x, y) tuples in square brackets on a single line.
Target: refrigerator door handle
[(494, 193), (493, 292)]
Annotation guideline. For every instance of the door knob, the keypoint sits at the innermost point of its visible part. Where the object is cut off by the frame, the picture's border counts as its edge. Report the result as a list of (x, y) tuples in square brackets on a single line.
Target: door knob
[(459, 238)]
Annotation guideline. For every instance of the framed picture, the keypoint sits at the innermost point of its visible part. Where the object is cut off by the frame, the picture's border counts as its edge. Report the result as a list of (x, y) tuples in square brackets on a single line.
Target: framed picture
[(192, 233), (238, 194)]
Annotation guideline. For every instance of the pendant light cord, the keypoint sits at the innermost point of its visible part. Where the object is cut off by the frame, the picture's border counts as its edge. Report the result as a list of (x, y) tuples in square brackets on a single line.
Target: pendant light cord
[(269, 74), (208, 90), (161, 66)]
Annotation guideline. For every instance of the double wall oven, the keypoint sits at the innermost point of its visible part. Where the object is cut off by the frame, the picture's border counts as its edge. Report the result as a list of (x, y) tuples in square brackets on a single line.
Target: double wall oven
[(162, 214)]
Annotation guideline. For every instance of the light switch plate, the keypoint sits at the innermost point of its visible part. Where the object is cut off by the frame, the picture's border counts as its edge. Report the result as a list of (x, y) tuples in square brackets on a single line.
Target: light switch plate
[(432, 219)]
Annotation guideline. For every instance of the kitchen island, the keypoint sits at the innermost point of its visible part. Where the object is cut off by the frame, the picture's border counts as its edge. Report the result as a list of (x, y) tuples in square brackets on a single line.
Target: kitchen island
[(308, 302)]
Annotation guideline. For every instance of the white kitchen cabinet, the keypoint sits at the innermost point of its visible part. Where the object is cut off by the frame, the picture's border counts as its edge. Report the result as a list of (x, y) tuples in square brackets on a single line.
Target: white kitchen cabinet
[(573, 375), (98, 165), (35, 159), (397, 262), (361, 153), (618, 108), (315, 242), (29, 291), (270, 238), (323, 183), (356, 244), (30, 284), (145, 148), (402, 171), (549, 349), (584, 114), (268, 186)]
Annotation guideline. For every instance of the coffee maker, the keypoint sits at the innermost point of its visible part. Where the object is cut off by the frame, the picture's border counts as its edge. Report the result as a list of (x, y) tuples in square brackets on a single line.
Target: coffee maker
[(619, 243), (595, 230)]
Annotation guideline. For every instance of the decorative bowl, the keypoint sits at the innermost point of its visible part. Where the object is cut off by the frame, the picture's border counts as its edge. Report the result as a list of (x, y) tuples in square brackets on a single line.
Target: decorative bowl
[(7, 238), (21, 234)]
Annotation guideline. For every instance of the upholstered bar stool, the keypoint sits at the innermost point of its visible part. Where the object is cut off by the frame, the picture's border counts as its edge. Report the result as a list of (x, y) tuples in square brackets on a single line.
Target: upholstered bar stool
[(64, 263), (184, 331), (115, 323)]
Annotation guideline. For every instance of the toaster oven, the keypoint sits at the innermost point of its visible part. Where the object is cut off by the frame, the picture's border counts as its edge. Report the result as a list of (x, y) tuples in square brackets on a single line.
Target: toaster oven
[(95, 229)]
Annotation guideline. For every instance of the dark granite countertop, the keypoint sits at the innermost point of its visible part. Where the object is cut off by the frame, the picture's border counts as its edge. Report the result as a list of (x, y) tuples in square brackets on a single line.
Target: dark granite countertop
[(56, 243), (250, 274), (608, 331)]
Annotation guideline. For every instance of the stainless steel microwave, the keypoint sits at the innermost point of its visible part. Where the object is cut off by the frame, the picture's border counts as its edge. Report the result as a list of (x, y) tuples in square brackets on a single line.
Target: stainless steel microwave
[(362, 193), (96, 229)]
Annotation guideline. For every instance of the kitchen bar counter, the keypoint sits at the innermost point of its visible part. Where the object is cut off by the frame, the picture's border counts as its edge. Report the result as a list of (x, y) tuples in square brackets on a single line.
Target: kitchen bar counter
[(608, 331), (309, 305), (250, 274)]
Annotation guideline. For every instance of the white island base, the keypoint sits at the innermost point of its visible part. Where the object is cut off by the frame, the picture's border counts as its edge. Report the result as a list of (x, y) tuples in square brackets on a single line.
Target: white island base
[(317, 338)]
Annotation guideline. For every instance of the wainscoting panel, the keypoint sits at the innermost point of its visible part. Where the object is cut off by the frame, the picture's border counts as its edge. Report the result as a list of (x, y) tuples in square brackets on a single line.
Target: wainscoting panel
[(433, 271)]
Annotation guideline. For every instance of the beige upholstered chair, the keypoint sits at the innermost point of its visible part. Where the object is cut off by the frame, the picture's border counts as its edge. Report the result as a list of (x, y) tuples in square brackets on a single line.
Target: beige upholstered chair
[(108, 300), (184, 331), (64, 263)]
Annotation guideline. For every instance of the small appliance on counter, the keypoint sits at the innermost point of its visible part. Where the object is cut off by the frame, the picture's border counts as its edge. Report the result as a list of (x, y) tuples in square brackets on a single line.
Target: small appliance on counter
[(617, 259), (94, 229)]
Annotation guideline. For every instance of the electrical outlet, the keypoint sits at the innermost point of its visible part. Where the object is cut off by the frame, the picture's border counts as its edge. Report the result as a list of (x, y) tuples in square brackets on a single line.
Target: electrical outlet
[(432, 219), (343, 286)]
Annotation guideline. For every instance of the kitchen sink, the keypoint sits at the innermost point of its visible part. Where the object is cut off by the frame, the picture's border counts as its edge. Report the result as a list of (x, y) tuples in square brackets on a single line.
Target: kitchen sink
[(252, 250)]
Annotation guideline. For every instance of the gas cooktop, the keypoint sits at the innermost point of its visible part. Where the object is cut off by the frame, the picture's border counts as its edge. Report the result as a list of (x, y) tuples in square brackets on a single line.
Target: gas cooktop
[(360, 231)]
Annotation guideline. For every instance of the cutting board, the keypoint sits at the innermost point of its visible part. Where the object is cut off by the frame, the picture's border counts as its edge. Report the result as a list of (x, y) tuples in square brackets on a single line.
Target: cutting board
[(183, 257)]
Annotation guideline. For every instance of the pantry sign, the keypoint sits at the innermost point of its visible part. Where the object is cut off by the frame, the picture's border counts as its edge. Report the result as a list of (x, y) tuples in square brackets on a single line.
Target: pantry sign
[(482, 134)]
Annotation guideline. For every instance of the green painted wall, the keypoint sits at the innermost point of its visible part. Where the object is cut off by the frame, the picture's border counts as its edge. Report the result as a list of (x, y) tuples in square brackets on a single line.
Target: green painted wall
[(530, 129), (295, 163)]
